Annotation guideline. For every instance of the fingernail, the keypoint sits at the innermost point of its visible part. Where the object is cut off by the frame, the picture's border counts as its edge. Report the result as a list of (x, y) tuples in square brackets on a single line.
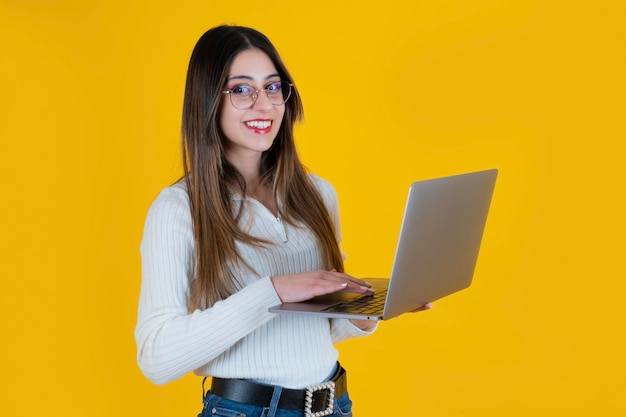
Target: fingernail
[(366, 288), (344, 284)]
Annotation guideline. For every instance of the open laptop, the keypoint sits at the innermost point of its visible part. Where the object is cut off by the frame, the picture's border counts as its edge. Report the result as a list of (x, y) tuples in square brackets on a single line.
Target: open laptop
[(436, 255)]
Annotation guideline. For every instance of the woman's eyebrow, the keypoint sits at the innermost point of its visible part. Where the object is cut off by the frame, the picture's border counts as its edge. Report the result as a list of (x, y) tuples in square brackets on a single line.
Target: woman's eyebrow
[(247, 77)]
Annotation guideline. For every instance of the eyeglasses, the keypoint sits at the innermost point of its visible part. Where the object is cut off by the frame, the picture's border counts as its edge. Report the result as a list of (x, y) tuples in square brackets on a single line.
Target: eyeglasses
[(244, 96)]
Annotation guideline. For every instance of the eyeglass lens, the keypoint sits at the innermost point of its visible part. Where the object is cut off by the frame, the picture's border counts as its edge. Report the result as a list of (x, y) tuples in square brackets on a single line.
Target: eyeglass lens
[(244, 96)]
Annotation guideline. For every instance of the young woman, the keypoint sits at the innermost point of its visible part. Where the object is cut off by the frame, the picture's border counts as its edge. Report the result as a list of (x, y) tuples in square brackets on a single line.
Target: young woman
[(244, 229)]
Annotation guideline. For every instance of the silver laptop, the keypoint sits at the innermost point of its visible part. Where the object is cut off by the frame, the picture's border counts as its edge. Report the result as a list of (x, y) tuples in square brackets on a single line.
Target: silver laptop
[(436, 255)]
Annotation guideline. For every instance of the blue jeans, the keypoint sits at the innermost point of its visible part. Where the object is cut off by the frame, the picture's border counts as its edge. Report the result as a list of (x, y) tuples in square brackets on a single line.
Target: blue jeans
[(215, 406)]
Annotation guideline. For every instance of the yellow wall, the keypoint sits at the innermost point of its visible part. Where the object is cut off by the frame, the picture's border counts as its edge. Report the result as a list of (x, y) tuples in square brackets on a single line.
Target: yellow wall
[(395, 91)]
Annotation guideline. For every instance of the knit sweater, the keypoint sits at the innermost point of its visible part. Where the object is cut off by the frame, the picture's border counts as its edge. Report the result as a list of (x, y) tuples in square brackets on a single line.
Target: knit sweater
[(236, 337)]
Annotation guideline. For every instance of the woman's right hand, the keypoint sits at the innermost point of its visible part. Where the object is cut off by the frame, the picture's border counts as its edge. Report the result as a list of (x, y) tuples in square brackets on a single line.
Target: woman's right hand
[(306, 285)]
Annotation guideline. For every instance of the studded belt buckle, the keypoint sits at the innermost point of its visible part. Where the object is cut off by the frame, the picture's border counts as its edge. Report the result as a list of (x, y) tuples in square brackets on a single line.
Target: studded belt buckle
[(330, 399)]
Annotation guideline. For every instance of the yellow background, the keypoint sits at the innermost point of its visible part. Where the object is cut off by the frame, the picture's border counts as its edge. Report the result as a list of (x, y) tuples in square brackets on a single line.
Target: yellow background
[(394, 91)]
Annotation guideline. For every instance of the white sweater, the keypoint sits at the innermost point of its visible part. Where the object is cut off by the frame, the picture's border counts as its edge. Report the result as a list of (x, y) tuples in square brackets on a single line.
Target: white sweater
[(236, 337)]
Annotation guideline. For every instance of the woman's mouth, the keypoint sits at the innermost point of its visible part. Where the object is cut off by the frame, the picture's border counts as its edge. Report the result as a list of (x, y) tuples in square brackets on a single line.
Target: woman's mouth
[(259, 125)]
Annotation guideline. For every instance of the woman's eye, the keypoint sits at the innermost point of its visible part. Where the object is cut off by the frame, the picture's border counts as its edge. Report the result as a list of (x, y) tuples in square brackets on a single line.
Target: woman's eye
[(242, 90), (274, 88)]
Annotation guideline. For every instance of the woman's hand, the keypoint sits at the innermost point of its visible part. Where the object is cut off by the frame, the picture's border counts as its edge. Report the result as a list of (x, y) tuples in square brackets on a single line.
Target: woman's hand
[(306, 285), (367, 325), (426, 306)]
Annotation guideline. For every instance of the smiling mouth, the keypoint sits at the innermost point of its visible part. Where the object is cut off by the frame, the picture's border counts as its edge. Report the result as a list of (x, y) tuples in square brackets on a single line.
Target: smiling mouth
[(259, 124)]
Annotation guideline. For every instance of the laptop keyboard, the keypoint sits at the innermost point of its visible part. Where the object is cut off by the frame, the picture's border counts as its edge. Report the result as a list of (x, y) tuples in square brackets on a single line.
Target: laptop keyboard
[(368, 304)]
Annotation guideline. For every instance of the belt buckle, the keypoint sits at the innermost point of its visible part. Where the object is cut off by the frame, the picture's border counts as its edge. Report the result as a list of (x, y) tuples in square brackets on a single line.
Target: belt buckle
[(330, 399)]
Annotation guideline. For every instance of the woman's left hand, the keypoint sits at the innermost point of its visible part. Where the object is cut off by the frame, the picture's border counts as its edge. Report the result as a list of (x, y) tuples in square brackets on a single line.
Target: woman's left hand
[(425, 307), (367, 325)]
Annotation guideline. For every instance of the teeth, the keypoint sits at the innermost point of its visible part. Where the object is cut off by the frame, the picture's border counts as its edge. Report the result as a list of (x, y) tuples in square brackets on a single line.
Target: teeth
[(259, 124)]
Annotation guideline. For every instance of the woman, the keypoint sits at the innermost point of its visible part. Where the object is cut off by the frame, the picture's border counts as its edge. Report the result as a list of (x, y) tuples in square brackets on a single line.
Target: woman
[(246, 228)]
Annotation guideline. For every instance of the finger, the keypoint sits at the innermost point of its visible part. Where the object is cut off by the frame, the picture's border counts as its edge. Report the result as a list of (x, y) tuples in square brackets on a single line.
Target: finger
[(332, 281), (350, 278), (328, 288), (342, 282), (359, 289), (425, 307)]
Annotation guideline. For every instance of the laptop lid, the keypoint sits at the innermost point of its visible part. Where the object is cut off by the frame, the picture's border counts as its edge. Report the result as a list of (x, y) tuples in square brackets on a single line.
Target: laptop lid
[(440, 238)]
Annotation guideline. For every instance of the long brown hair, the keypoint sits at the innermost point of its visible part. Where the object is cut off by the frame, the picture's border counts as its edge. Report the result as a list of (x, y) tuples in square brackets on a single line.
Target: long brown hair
[(211, 179)]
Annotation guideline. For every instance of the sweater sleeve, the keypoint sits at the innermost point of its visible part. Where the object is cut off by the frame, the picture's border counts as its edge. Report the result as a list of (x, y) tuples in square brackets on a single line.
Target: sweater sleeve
[(343, 329), (171, 341)]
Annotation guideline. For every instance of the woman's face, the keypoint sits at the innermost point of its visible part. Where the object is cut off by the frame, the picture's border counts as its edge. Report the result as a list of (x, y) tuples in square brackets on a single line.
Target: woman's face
[(251, 131)]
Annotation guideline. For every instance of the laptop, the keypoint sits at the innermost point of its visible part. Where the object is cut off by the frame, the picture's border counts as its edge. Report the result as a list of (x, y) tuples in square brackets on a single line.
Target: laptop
[(436, 254)]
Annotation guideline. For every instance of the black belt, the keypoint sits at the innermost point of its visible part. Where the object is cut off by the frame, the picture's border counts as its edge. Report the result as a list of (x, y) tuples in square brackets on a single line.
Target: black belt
[(318, 398)]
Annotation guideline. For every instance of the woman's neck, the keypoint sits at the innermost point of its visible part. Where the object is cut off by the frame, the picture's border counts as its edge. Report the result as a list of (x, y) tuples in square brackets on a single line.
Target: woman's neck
[(250, 170)]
